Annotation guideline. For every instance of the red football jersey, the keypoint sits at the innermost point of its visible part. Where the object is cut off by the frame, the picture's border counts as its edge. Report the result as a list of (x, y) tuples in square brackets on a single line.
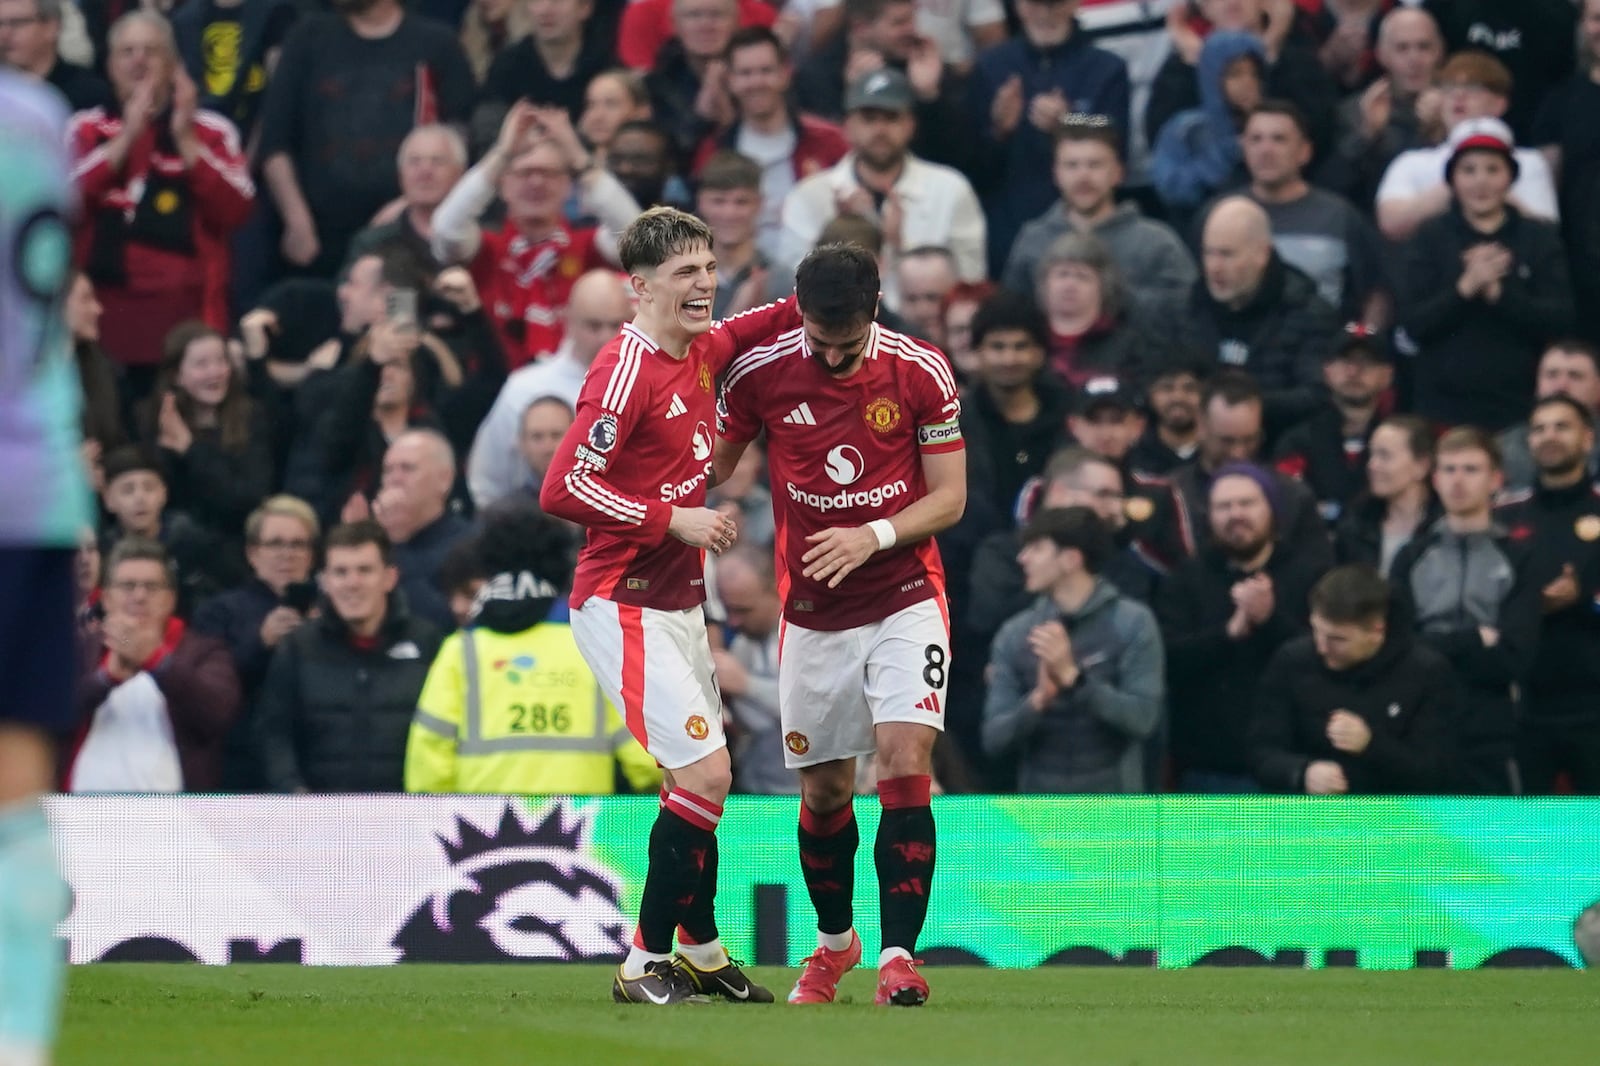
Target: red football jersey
[(525, 285), (842, 453), (640, 446)]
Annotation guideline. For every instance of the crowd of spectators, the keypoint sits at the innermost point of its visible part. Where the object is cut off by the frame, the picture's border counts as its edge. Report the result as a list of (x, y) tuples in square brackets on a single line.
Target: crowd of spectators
[(1276, 320)]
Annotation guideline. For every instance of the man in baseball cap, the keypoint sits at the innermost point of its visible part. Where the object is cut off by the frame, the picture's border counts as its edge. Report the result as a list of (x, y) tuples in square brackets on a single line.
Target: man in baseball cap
[(885, 89), (916, 203), (1107, 419)]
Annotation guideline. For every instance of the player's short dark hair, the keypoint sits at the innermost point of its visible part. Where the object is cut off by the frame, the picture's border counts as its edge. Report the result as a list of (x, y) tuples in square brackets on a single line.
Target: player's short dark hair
[(1418, 433), (837, 284), (359, 535), (1471, 438), (1232, 387), (1288, 111), (753, 36), (1351, 595), (140, 550), (131, 458), (1561, 399), (1077, 528), (1008, 311), (659, 234), (728, 170), (853, 229), (517, 536)]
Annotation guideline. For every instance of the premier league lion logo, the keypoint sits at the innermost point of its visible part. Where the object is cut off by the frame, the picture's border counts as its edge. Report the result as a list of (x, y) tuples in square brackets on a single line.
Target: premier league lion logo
[(520, 895)]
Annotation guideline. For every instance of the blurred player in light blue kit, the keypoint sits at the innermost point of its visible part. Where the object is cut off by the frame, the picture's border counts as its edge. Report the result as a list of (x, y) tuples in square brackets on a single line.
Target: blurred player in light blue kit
[(44, 503)]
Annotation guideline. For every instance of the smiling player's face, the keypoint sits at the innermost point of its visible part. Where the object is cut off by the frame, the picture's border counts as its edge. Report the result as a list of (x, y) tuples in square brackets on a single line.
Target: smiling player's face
[(680, 290)]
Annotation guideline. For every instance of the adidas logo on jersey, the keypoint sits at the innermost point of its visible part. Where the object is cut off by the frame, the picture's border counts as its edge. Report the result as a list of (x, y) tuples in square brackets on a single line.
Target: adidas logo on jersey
[(676, 407), (929, 703), (800, 416)]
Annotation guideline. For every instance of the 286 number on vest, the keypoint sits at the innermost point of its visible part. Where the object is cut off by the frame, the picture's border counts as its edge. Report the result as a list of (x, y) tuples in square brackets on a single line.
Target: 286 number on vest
[(540, 718)]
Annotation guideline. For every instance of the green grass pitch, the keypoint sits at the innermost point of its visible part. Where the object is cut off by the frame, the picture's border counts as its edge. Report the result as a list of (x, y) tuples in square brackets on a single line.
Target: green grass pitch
[(175, 1015)]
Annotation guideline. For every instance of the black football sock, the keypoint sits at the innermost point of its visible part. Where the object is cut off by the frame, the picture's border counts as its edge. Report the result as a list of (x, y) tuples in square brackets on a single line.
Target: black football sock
[(828, 845), (904, 853), (699, 922), (680, 843)]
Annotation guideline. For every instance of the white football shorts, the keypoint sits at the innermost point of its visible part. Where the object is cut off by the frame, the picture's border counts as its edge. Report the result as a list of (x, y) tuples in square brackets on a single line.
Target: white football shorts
[(655, 666), (834, 687)]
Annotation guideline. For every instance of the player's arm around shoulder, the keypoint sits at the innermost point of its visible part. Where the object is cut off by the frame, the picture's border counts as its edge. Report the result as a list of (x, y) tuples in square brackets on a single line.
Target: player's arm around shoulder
[(747, 331), (738, 421)]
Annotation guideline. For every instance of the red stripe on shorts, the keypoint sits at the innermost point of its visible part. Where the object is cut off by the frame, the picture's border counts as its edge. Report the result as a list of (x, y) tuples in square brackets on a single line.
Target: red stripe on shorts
[(632, 619), (944, 613)]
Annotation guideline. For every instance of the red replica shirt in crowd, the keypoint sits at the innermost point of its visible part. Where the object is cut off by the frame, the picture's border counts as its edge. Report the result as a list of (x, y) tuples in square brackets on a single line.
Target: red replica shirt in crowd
[(525, 285), (160, 286), (842, 453), (640, 446)]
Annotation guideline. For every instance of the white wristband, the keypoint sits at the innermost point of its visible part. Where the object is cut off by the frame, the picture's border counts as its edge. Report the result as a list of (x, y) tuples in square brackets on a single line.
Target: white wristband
[(883, 529)]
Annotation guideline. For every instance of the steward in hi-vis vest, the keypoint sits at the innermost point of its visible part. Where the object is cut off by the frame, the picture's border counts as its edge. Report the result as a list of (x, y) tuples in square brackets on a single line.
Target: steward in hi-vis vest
[(509, 705)]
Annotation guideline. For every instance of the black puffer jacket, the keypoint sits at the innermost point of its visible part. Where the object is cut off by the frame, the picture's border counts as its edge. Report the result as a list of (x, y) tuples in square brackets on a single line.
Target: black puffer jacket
[(333, 716), (1407, 694), (1279, 337)]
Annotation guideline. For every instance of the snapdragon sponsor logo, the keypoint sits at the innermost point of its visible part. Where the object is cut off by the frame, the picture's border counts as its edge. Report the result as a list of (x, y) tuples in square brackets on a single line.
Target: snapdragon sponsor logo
[(672, 493), (846, 499)]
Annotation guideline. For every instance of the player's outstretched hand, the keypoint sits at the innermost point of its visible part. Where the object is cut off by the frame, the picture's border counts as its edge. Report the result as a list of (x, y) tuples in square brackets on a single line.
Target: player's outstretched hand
[(836, 552), (701, 527)]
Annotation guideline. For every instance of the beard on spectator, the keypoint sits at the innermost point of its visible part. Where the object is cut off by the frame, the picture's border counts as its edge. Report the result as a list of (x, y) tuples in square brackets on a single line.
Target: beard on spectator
[(1241, 540)]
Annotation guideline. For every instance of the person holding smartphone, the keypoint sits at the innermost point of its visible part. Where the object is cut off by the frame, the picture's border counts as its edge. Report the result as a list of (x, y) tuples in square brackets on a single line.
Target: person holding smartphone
[(281, 541)]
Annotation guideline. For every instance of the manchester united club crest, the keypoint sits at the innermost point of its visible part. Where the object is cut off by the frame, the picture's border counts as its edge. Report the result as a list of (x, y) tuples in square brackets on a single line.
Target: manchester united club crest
[(882, 414), (1138, 509), (1587, 528), (696, 727), (798, 743), (571, 267), (705, 378)]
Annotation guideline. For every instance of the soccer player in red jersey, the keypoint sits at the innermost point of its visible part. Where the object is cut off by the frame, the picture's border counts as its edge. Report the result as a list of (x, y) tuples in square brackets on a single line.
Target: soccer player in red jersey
[(632, 470), (867, 463)]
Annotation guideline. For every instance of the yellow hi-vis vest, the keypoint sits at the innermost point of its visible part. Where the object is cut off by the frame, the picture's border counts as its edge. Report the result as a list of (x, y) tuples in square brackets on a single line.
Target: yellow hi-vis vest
[(518, 713)]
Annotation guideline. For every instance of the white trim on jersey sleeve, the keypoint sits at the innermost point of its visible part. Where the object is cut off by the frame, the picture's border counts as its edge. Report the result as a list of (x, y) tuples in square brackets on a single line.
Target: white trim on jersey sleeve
[(591, 491), (929, 359)]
